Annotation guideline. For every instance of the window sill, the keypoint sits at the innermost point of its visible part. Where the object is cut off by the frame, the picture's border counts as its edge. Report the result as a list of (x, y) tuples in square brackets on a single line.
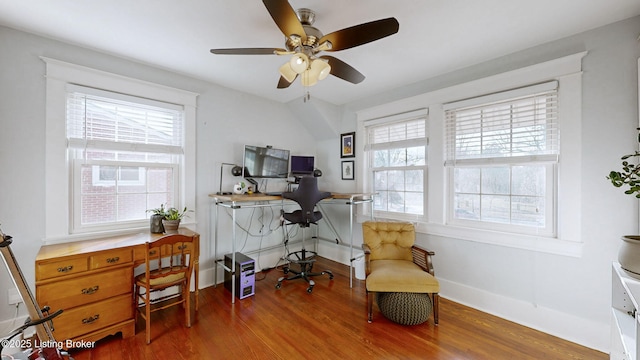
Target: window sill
[(102, 234), (525, 242)]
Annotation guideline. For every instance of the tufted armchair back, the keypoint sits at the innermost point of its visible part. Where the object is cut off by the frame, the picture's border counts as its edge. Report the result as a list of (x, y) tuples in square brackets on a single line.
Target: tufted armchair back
[(389, 240)]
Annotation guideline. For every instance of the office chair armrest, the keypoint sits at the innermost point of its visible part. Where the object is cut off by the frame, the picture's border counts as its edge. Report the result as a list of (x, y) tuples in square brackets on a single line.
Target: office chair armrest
[(422, 258), (367, 259)]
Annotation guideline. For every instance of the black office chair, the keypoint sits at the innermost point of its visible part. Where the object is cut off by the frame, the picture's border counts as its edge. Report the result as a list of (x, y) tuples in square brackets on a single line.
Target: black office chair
[(307, 196)]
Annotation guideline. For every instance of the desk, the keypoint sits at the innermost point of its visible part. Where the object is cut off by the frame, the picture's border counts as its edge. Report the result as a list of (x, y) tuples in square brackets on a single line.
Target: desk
[(236, 202), (92, 281)]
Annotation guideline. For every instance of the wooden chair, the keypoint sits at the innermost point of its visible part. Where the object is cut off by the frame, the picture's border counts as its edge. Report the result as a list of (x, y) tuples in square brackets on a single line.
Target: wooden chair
[(394, 264), (168, 263)]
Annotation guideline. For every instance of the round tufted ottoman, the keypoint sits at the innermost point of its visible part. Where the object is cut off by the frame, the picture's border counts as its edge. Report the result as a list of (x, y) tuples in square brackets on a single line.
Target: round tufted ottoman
[(405, 308)]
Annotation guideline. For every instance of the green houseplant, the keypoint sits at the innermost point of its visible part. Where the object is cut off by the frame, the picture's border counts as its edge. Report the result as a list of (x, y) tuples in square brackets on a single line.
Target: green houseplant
[(172, 217), (629, 177)]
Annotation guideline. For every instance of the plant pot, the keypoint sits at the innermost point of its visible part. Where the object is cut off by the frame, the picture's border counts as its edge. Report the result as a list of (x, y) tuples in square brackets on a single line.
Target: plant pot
[(170, 226), (629, 255), (155, 224)]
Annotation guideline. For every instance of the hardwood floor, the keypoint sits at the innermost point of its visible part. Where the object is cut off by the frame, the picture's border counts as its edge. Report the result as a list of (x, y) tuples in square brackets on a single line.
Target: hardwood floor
[(330, 323)]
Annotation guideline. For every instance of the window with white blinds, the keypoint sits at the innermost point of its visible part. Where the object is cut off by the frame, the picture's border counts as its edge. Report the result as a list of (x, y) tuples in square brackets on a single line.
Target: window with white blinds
[(125, 155), (521, 123), (397, 155), (501, 150)]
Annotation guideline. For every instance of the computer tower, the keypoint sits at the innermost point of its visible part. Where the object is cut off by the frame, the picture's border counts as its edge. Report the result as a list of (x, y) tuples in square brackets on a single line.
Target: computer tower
[(245, 268)]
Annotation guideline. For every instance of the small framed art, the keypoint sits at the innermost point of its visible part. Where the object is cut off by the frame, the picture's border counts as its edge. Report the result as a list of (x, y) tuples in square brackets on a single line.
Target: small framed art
[(347, 170), (347, 145)]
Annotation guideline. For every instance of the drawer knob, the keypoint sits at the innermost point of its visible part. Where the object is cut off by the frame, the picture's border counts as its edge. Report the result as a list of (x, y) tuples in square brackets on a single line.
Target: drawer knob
[(91, 319), (113, 260), (182, 247), (65, 269), (91, 290)]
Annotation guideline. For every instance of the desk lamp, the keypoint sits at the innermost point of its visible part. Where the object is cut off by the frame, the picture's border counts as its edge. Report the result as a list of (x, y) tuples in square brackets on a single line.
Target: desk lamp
[(235, 171)]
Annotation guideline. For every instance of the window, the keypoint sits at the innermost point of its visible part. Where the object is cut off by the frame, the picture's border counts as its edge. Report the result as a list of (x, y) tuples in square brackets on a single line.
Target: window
[(397, 155), (125, 153), (501, 153), (115, 147)]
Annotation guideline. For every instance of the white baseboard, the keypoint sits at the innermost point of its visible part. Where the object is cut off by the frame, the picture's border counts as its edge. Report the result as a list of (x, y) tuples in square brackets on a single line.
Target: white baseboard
[(592, 334)]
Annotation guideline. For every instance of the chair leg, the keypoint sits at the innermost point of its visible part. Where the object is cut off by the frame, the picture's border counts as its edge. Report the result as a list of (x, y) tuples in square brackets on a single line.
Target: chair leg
[(369, 306), (136, 296), (186, 294), (436, 306), (147, 309)]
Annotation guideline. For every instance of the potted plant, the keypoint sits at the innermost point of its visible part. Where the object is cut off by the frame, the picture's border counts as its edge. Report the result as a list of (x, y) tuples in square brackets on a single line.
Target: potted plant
[(629, 178), (155, 222), (172, 217)]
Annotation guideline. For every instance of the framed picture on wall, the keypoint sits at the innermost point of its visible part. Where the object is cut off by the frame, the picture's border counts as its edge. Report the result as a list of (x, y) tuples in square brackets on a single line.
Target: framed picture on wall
[(348, 170), (348, 145)]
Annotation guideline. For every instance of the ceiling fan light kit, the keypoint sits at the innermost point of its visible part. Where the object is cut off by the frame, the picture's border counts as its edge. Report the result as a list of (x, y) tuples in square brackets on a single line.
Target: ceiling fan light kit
[(305, 42)]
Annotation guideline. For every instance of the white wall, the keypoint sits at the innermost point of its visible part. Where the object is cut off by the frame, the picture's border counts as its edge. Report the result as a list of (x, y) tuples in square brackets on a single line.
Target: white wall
[(567, 296), (226, 121)]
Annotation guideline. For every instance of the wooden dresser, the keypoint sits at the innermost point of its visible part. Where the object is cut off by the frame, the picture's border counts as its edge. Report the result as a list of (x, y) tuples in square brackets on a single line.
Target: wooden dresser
[(92, 281)]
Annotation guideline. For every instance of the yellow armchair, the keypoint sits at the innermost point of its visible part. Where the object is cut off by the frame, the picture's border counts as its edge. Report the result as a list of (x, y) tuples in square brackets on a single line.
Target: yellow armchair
[(394, 264)]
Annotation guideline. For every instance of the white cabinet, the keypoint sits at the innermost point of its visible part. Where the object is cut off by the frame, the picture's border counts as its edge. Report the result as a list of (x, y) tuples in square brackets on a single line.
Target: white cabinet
[(625, 326)]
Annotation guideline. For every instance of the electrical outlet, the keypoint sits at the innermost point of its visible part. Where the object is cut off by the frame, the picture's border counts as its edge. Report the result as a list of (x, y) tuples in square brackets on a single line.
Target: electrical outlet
[(13, 296)]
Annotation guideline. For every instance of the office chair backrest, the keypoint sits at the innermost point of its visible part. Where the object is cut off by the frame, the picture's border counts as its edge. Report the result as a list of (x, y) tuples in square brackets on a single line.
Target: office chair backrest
[(307, 196)]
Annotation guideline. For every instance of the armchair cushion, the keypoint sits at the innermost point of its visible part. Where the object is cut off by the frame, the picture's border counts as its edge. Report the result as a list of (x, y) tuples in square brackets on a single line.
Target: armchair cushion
[(389, 240), (400, 276)]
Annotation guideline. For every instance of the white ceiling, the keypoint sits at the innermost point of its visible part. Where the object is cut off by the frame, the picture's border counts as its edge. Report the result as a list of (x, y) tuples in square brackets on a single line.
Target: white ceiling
[(435, 36)]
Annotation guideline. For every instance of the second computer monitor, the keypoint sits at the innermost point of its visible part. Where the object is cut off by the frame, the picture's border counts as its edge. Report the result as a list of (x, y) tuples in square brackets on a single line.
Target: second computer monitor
[(302, 165)]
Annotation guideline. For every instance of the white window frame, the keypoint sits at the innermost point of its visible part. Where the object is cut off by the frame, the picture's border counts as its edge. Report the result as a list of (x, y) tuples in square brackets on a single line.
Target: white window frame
[(59, 187), (567, 71), (546, 158), (388, 120)]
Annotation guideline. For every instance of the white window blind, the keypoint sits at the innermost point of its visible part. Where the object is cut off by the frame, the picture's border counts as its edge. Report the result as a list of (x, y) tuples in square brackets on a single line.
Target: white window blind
[(510, 126), (99, 119), (397, 163), (125, 153)]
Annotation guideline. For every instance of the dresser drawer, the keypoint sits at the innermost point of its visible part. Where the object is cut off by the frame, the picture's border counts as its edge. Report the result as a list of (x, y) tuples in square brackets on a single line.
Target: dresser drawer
[(66, 294), (47, 270), (85, 319), (110, 258)]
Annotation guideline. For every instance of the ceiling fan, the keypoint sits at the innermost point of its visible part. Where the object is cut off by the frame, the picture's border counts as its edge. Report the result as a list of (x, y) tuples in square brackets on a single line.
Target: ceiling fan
[(305, 42)]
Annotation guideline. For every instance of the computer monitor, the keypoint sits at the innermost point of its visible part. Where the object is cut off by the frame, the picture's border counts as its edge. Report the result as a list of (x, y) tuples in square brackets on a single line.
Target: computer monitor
[(302, 165), (265, 162)]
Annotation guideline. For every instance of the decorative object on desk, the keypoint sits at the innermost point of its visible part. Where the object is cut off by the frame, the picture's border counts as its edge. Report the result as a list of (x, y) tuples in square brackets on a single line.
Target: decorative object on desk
[(239, 188), (347, 170), (155, 222), (235, 171), (347, 145), (317, 173), (629, 176), (172, 218)]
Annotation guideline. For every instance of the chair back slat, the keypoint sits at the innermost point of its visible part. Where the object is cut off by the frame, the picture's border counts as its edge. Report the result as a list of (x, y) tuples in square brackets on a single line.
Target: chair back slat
[(169, 255)]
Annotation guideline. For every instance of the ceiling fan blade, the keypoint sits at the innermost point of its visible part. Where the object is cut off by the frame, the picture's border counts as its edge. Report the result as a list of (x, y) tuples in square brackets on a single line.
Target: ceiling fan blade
[(343, 70), (283, 83), (246, 51), (361, 34), (285, 17)]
